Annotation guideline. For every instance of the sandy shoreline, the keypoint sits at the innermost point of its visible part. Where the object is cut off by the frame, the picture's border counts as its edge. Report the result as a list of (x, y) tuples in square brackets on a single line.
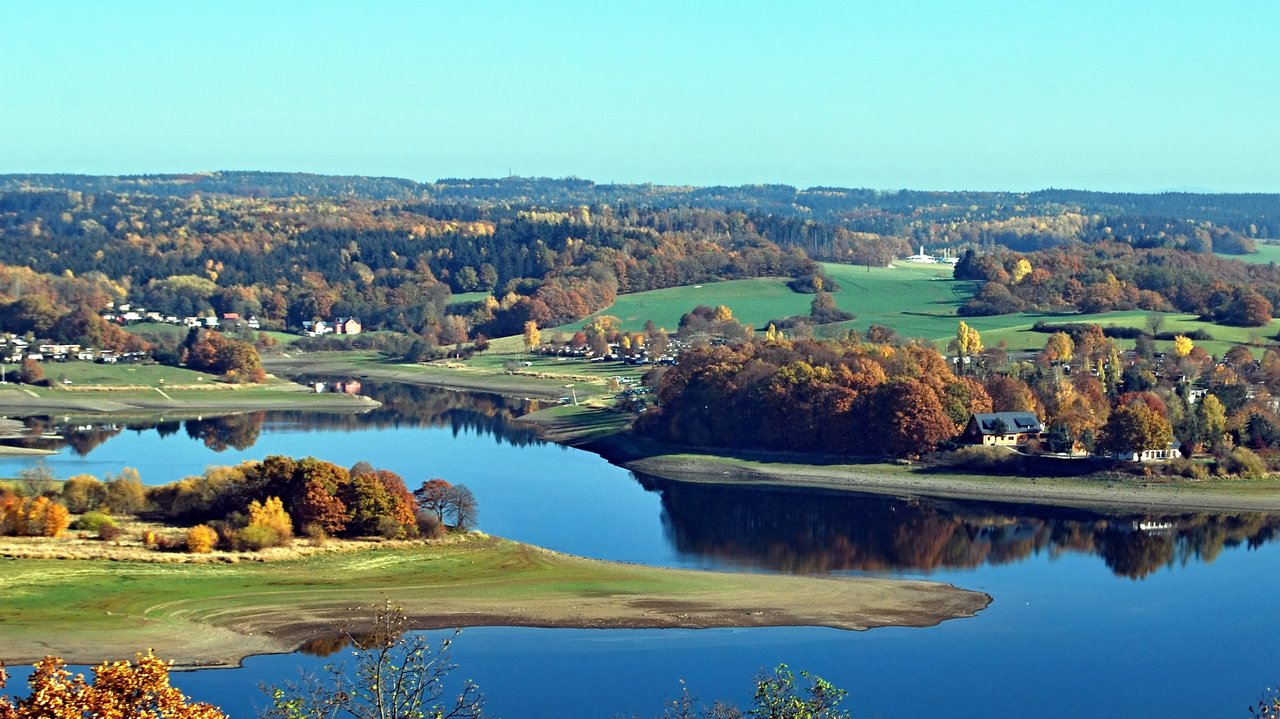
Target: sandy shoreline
[(215, 615), (1133, 494)]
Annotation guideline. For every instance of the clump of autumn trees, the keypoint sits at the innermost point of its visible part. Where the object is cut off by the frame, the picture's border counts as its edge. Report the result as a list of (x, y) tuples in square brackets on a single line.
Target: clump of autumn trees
[(814, 396), (37, 506), (1110, 275), (900, 399), (236, 360), (251, 506), (262, 504)]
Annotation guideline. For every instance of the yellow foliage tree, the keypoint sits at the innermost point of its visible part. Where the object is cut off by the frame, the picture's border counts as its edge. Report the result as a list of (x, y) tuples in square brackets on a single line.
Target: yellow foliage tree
[(532, 337), (723, 313), (120, 690), (1059, 347), (1182, 345), (772, 334), (1021, 269), (201, 539), (967, 342), (271, 514)]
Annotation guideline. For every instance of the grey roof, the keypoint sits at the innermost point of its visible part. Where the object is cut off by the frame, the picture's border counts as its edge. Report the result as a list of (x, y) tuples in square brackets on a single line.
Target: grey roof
[(1013, 421)]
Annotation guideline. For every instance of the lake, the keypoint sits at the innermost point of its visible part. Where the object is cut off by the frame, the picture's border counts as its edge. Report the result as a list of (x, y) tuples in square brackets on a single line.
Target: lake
[(1094, 614)]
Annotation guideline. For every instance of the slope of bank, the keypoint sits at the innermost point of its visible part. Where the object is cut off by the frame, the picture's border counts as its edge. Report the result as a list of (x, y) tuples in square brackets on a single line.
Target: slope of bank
[(216, 614)]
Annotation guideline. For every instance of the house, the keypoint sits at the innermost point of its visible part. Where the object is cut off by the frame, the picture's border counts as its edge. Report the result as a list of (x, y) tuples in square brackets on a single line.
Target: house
[(1008, 429), (316, 328), (347, 326), (1149, 455)]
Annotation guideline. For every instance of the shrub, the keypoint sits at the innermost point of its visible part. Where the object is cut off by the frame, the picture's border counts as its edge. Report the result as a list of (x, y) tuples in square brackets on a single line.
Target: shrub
[(108, 532), (271, 514), (1186, 468), (92, 521), (389, 528), (201, 539), (315, 534), (83, 493), (125, 494), (430, 526), (1243, 462), (256, 537), (979, 457)]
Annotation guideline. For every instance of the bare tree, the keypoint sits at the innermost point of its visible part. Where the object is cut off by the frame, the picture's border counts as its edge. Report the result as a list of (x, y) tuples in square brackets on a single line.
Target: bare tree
[(398, 675)]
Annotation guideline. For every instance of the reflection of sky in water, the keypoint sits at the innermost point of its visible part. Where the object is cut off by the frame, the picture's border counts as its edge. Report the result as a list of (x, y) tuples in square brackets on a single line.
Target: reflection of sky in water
[(1064, 637)]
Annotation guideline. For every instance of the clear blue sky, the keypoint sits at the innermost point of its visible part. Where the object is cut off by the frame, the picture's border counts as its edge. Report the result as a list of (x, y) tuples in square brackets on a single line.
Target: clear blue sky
[(926, 95)]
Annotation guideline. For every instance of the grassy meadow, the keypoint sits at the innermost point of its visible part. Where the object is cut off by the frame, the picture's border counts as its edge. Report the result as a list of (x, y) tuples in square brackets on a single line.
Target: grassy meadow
[(915, 300), (1268, 252)]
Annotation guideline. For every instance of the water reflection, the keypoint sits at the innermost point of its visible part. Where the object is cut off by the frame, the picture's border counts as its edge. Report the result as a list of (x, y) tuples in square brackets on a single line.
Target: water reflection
[(403, 406), (815, 531)]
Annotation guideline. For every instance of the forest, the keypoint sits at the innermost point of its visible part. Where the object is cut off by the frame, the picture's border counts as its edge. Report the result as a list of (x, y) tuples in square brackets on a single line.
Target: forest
[(292, 248), (878, 396)]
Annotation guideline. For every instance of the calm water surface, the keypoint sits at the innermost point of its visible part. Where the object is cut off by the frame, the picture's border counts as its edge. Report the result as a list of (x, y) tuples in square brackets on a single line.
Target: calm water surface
[(1093, 615)]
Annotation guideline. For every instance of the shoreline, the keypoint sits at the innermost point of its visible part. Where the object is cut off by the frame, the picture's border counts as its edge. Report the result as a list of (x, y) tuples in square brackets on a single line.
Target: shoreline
[(214, 615), (690, 465), (430, 375), (16, 403), (1136, 494)]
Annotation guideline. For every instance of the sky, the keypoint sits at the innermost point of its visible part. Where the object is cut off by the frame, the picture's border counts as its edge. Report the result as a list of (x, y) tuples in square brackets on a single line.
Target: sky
[(1121, 96)]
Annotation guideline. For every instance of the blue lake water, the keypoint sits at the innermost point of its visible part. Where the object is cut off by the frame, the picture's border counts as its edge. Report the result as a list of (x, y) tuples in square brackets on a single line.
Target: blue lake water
[(1092, 614)]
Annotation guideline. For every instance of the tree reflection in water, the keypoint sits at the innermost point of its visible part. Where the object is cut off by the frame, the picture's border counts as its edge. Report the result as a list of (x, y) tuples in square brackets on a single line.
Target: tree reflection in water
[(402, 406), (812, 531)]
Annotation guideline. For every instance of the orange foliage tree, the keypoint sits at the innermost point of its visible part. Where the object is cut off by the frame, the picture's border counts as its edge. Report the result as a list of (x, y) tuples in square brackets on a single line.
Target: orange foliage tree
[(119, 690)]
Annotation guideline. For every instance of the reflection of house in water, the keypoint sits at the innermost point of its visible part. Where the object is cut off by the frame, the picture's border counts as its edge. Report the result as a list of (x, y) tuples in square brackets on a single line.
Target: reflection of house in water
[(350, 386), (1152, 526)]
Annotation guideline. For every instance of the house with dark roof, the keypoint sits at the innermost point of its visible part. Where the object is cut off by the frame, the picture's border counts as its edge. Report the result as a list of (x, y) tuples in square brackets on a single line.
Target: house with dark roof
[(1009, 429)]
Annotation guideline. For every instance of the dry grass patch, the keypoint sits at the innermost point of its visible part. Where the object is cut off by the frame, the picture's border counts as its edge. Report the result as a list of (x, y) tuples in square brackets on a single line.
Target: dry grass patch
[(131, 546)]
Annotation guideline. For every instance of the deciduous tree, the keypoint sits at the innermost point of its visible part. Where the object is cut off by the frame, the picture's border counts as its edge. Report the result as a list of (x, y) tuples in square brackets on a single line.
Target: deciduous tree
[(119, 690)]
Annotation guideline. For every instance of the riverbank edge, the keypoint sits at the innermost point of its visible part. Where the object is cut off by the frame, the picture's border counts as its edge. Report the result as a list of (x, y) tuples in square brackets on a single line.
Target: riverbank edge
[(203, 631), (15, 402), (684, 464)]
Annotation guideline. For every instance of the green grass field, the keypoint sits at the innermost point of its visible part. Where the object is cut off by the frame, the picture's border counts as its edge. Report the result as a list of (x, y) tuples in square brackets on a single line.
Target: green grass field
[(464, 297), (117, 375), (754, 301), (915, 300), (1268, 252)]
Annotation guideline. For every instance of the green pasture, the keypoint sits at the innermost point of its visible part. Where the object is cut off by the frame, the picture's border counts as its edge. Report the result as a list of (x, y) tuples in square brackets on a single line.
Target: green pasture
[(1020, 336), (122, 374), (753, 302), (1268, 252), (914, 300), (463, 298)]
